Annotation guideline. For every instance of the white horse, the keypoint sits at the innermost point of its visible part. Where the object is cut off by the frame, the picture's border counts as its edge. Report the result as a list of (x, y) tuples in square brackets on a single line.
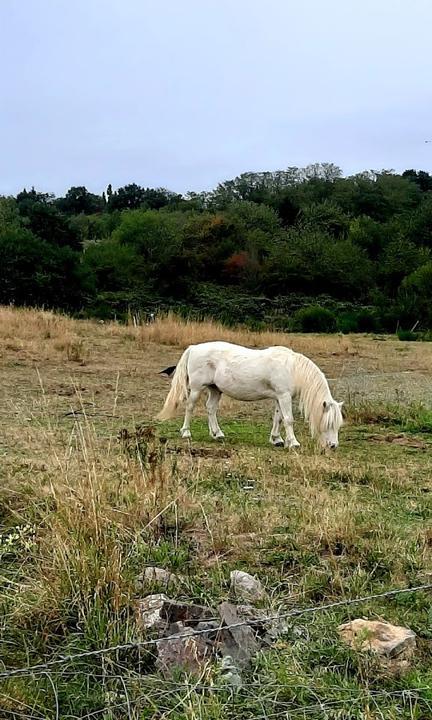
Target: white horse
[(276, 373)]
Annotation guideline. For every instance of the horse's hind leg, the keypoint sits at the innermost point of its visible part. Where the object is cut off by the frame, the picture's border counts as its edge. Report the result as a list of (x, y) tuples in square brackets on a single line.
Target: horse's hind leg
[(275, 436), (190, 404), (212, 405), (285, 405)]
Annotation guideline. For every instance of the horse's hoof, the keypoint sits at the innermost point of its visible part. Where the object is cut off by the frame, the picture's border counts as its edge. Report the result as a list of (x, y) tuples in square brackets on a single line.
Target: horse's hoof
[(220, 436), (185, 433), (293, 444), (276, 440)]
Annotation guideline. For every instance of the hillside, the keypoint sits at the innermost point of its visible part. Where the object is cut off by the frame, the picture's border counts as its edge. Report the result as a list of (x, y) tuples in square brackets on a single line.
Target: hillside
[(301, 249)]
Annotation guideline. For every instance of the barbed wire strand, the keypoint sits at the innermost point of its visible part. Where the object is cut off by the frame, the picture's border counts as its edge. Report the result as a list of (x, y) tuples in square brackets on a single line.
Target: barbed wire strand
[(193, 633)]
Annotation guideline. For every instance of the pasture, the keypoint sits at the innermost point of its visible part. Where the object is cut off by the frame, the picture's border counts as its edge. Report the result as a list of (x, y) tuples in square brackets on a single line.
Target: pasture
[(93, 491)]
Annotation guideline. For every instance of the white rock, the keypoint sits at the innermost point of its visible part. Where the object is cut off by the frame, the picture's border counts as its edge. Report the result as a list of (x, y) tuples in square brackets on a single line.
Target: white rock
[(149, 611), (155, 574), (246, 586), (381, 637)]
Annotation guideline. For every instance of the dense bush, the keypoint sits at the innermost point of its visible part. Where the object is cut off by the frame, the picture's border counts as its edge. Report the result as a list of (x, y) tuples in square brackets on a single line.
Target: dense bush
[(314, 319), (357, 321)]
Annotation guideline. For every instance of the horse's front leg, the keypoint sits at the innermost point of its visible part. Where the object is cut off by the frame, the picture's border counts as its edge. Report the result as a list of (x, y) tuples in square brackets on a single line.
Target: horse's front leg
[(190, 404), (212, 405), (275, 436), (285, 405)]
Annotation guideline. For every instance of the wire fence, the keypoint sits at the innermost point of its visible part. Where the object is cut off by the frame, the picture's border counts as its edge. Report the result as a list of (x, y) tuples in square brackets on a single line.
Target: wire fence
[(257, 699), (139, 644)]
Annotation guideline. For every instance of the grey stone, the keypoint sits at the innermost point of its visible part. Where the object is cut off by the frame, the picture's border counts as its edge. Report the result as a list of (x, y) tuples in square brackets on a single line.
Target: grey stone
[(238, 642), (185, 654), (246, 586), (230, 674), (269, 630), (209, 628)]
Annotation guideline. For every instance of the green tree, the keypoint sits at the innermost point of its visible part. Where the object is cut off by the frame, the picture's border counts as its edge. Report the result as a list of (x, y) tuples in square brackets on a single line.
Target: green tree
[(35, 272), (79, 200), (313, 263), (9, 213), (115, 267), (209, 239), (417, 225), (133, 197), (253, 216), (327, 216), (399, 258), (157, 238), (89, 228), (45, 221), (415, 295), (421, 178), (368, 234)]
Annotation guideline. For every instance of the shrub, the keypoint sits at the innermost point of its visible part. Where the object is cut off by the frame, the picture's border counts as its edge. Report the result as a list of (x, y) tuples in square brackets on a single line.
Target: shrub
[(314, 319), (363, 321), (348, 322), (408, 335)]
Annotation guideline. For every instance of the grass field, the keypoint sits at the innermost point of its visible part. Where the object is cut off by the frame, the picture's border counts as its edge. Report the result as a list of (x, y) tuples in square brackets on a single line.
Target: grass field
[(83, 513)]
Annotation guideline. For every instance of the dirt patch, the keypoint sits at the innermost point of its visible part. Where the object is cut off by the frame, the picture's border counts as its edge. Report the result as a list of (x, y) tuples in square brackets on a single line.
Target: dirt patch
[(141, 435), (400, 439), (200, 452)]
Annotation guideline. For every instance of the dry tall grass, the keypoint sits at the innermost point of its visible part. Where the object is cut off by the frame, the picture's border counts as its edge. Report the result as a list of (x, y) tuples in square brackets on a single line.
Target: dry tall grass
[(174, 330), (28, 325), (56, 333)]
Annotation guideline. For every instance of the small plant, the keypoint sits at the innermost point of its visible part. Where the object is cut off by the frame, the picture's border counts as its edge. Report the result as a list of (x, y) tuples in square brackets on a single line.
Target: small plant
[(17, 541), (408, 335), (75, 351), (140, 443)]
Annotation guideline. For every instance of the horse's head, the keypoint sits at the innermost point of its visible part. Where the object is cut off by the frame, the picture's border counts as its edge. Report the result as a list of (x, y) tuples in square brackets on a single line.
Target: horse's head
[(331, 422)]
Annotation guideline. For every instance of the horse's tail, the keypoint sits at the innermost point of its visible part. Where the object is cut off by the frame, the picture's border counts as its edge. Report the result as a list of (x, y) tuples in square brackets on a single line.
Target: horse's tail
[(179, 388)]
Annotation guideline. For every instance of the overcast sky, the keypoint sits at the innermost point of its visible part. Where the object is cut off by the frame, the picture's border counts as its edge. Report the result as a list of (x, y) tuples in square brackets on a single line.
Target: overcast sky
[(186, 93)]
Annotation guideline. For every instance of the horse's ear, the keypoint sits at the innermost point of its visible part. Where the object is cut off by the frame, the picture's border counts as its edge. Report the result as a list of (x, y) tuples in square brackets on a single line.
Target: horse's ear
[(341, 403)]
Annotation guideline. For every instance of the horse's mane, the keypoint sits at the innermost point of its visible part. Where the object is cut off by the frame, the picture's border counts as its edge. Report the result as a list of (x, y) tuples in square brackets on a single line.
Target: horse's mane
[(313, 391)]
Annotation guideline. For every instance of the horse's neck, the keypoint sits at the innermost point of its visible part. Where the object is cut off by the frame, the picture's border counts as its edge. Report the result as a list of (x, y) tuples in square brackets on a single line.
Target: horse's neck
[(311, 384)]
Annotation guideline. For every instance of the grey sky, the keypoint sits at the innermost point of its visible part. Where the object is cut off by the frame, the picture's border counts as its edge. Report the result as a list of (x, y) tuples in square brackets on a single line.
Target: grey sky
[(186, 93)]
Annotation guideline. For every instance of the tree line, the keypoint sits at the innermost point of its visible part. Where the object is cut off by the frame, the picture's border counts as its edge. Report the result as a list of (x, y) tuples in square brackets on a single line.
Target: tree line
[(299, 249)]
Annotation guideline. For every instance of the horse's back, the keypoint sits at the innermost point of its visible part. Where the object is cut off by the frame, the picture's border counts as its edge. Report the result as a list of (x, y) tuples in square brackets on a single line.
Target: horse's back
[(220, 351), (215, 345), (218, 346)]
